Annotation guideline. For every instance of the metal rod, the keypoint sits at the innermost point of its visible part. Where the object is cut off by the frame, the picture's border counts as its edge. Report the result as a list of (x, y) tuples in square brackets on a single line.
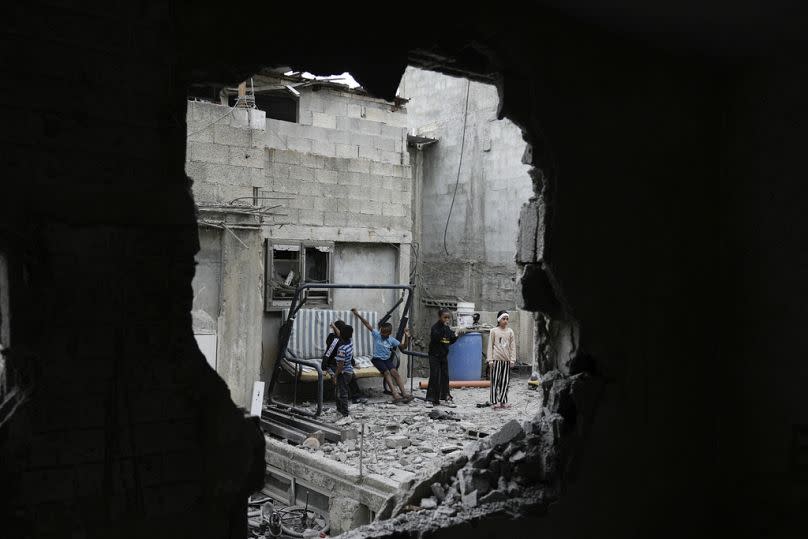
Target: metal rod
[(261, 198), (362, 446)]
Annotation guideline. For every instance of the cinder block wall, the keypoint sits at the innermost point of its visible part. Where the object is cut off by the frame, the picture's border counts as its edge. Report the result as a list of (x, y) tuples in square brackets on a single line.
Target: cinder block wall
[(345, 172)]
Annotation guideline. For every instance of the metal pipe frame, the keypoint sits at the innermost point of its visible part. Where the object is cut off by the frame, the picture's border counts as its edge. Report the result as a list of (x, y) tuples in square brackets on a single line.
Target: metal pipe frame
[(285, 333)]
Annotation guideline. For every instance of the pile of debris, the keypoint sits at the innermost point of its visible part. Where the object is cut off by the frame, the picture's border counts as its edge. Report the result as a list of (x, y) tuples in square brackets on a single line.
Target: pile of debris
[(516, 471), (401, 441)]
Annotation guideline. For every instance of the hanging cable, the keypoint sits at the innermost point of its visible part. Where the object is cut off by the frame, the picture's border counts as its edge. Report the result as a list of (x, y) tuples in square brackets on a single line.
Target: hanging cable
[(459, 165)]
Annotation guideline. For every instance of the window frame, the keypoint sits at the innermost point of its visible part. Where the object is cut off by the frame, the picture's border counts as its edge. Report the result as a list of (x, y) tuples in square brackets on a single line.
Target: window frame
[(272, 304)]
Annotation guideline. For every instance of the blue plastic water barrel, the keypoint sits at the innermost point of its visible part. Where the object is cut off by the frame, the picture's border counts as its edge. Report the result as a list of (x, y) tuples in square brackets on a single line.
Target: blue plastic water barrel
[(466, 357)]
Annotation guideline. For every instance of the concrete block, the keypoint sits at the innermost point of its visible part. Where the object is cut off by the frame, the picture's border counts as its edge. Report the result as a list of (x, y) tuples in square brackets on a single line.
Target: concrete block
[(353, 234), (335, 218), (301, 202), (355, 110), (297, 144), (390, 157), (344, 123), (341, 164), (320, 119), (370, 207), (394, 209), (208, 152), (336, 106), (311, 160), (363, 139), (355, 192), (284, 156), (278, 170), (283, 128), (323, 147), (240, 118), (275, 140), (359, 165), (290, 232), (364, 126), (337, 136), (369, 153), (310, 217), (392, 131), (376, 115), (347, 151), (387, 144), (229, 175), (325, 203), (394, 442), (304, 117), (350, 178), (247, 157), (257, 119), (301, 173), (323, 175), (286, 186), (352, 206), (199, 132), (380, 195)]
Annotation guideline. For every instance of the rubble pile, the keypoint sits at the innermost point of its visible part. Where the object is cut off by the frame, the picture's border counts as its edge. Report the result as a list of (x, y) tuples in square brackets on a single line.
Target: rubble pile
[(401, 441), (516, 471)]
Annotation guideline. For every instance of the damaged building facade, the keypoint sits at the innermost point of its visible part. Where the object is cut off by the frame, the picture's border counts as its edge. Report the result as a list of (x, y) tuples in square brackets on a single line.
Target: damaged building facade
[(469, 186), (316, 188)]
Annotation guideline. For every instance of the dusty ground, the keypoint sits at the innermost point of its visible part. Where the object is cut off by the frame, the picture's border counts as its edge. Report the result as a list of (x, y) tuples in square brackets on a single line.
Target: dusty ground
[(401, 440)]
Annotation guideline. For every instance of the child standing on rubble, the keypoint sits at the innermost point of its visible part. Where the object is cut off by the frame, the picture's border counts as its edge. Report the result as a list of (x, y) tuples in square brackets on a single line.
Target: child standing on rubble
[(344, 368), (441, 337), (501, 357)]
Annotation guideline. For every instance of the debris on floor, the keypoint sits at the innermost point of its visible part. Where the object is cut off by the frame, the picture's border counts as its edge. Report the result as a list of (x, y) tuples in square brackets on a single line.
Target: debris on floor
[(402, 440)]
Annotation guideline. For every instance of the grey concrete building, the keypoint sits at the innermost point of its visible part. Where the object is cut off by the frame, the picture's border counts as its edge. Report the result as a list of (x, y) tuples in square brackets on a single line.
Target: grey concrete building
[(336, 162), (476, 261)]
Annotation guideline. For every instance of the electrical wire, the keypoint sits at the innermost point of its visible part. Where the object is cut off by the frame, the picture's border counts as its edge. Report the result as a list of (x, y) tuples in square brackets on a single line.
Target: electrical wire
[(459, 165)]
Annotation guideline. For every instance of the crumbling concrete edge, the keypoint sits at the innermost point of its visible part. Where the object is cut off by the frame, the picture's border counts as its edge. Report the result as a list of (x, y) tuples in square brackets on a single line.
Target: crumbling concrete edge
[(330, 476)]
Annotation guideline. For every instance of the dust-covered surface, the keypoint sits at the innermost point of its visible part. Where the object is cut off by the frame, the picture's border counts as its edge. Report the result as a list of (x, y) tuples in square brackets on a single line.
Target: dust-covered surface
[(403, 440)]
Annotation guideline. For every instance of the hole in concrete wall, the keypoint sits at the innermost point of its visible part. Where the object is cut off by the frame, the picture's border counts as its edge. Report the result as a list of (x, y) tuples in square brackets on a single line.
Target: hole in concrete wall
[(424, 190)]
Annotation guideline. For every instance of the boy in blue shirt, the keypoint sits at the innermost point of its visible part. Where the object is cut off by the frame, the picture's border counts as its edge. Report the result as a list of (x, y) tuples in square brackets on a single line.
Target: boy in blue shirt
[(383, 347)]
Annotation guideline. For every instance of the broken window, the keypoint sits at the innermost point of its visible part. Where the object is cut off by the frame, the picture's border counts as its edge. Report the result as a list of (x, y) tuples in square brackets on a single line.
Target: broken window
[(290, 264), (278, 106)]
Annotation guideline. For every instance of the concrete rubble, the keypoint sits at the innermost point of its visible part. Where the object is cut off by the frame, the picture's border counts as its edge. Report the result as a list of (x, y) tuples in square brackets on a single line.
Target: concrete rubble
[(401, 441)]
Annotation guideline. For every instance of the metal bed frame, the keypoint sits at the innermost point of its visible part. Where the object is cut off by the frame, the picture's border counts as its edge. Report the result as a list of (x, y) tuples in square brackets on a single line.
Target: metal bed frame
[(285, 334)]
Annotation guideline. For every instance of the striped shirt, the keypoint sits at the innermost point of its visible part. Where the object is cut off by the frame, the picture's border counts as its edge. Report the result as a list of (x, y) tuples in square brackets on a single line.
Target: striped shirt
[(344, 356)]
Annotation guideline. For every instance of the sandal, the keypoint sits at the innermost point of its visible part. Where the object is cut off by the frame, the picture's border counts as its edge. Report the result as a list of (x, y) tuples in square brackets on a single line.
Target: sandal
[(407, 398)]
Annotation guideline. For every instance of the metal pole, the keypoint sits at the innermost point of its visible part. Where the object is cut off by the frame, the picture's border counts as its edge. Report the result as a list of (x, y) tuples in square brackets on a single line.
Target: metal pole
[(362, 446)]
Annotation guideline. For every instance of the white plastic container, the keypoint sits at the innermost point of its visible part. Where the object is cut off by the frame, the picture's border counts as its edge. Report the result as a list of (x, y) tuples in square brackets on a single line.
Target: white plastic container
[(465, 310)]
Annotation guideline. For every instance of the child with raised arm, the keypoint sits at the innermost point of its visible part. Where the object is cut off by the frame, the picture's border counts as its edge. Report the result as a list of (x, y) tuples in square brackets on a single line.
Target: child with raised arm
[(383, 347), (501, 357)]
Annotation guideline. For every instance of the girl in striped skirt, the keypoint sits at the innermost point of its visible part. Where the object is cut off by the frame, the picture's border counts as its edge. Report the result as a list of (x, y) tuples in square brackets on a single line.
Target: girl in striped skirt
[(501, 357)]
